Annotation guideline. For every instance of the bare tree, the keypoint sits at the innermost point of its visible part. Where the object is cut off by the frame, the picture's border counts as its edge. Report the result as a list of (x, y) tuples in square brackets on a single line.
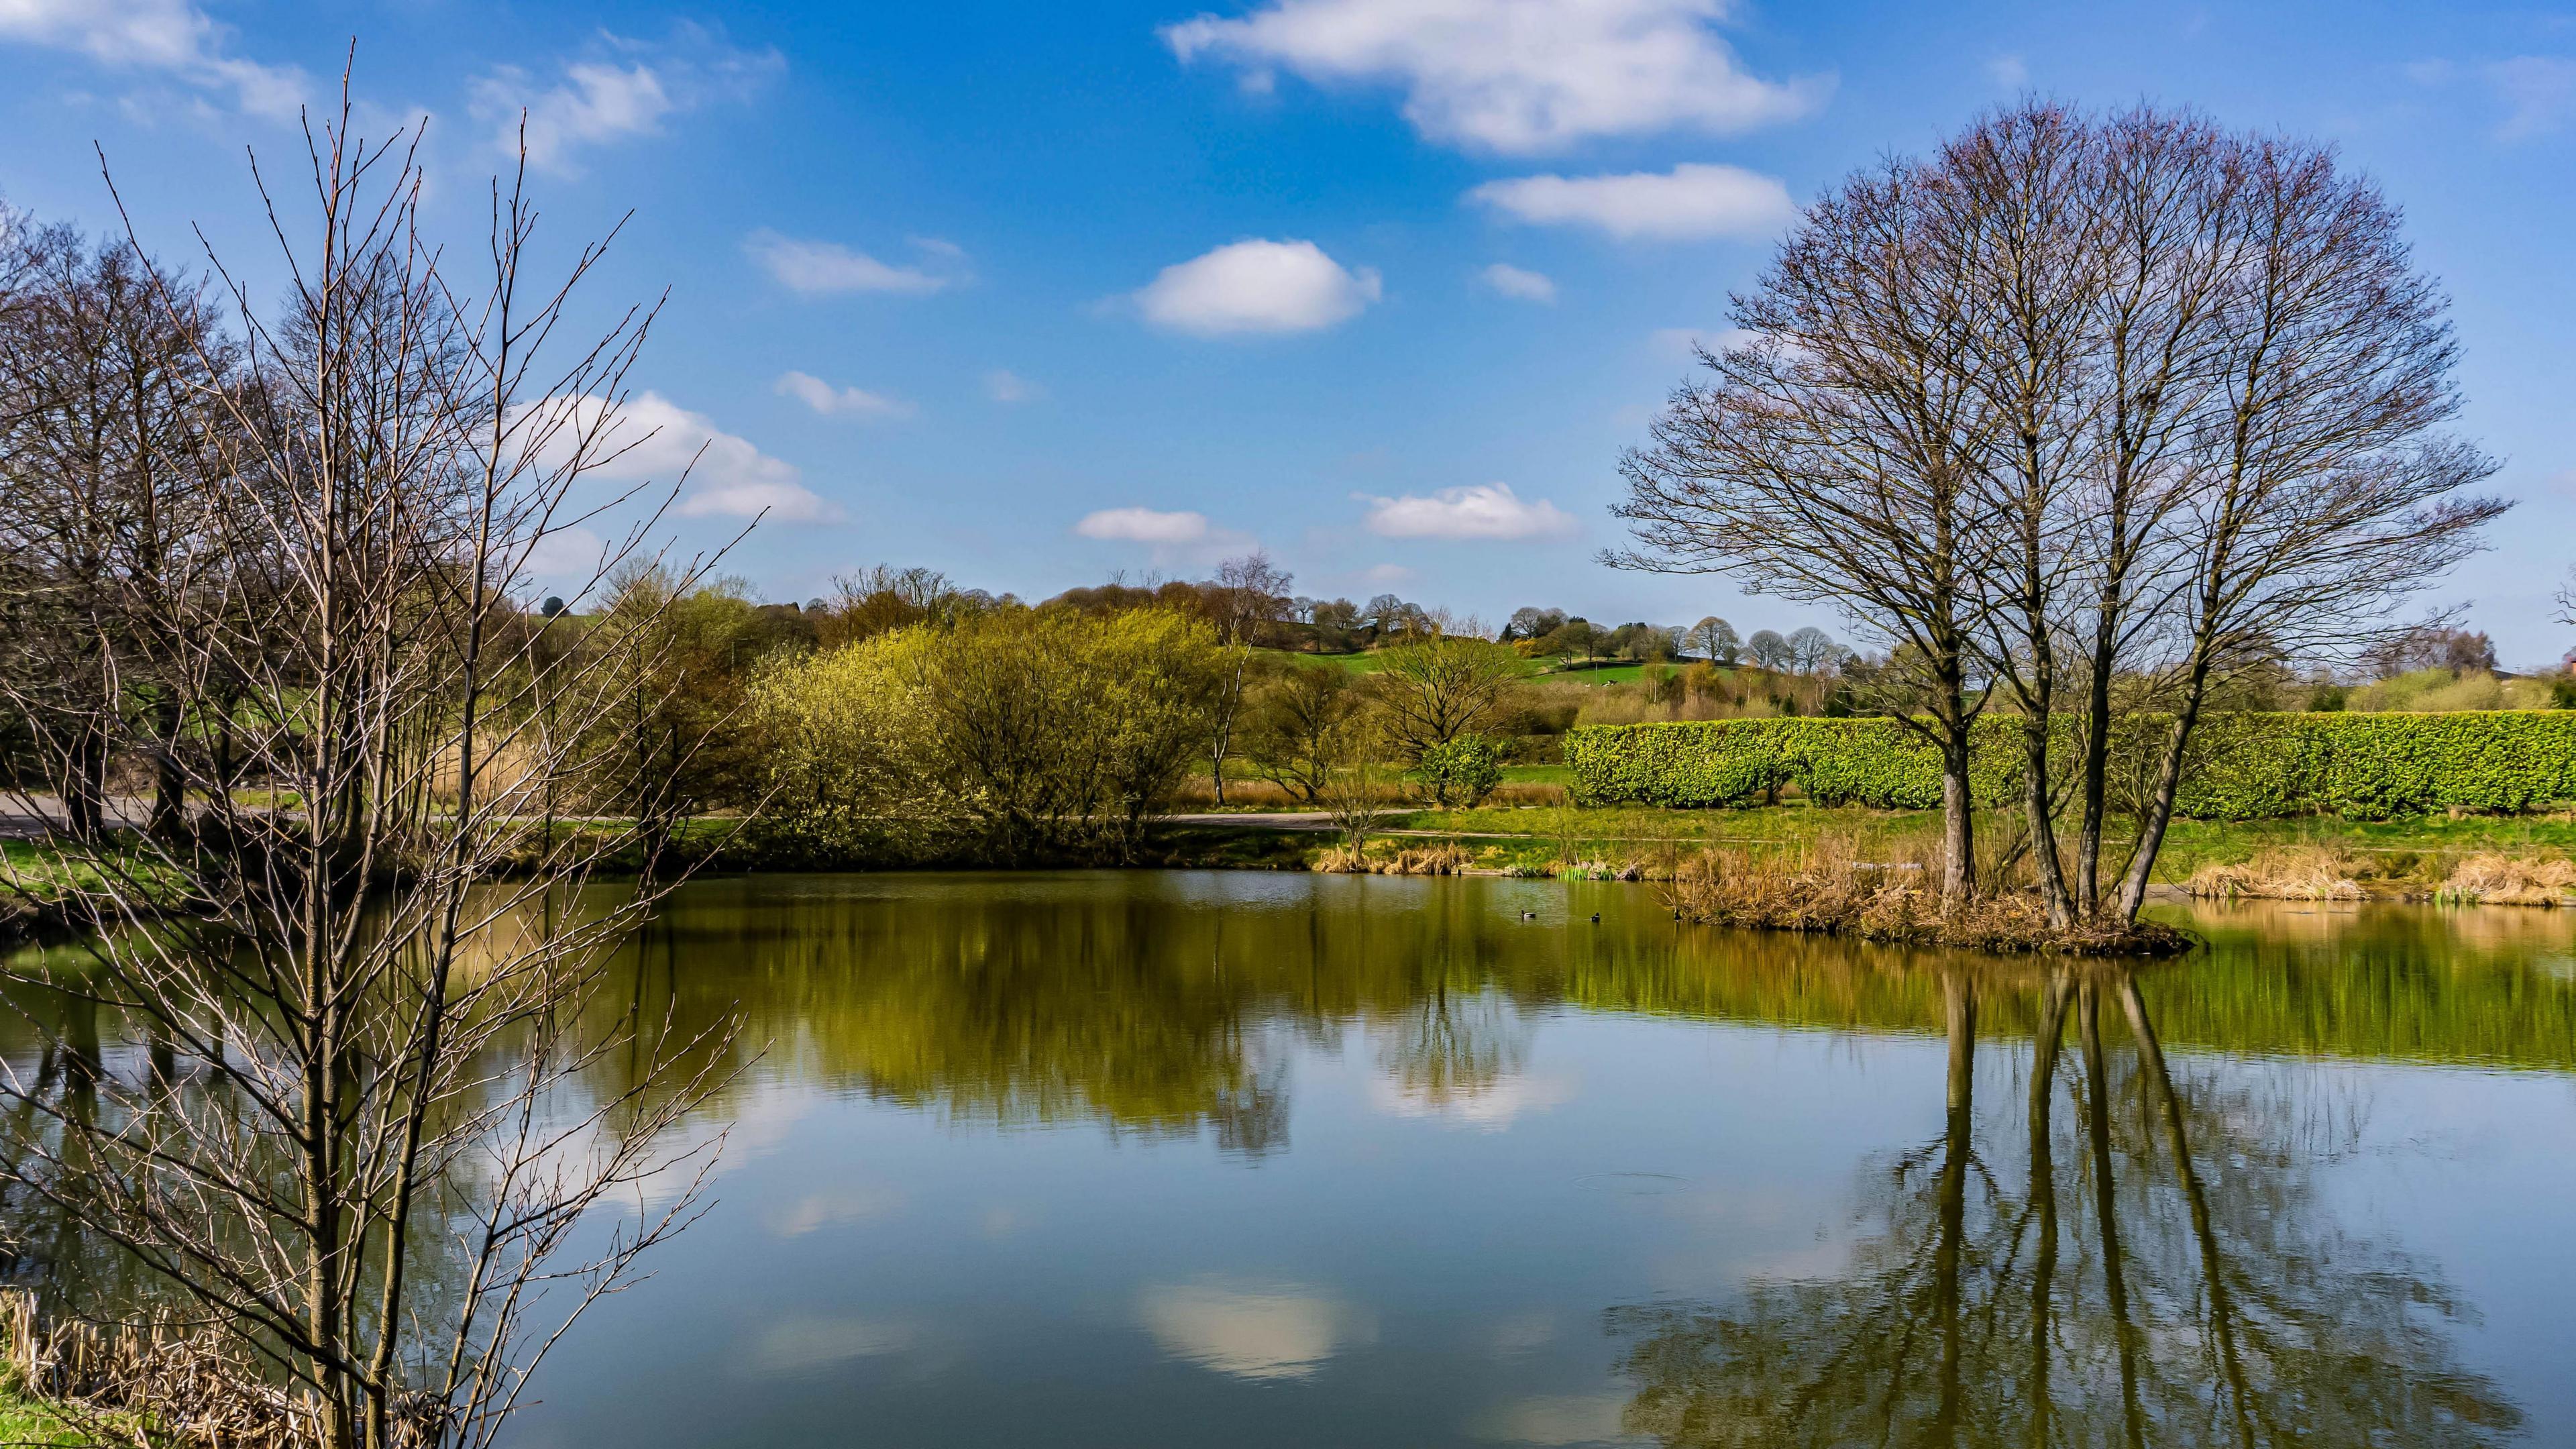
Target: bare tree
[(2075, 402), (1431, 690), (2321, 491), (1715, 640), (363, 1139), (1832, 458), (1812, 650), (1250, 593)]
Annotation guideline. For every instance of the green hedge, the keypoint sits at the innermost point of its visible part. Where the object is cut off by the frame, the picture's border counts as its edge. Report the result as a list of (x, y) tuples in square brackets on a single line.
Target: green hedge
[(2253, 766)]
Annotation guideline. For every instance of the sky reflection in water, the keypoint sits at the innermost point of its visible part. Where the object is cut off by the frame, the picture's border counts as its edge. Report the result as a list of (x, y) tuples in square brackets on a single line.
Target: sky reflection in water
[(1141, 1159)]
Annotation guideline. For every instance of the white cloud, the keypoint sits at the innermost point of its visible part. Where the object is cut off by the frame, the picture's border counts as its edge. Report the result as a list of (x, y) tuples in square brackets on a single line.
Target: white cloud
[(1512, 281), (803, 1343), (820, 268), (1145, 525), (173, 37), (1479, 511), (2008, 72), (1688, 202), (1257, 286), (1512, 75), (832, 401), (1565, 1419), (833, 1209), (1490, 1108), (1685, 342), (1005, 386), (1251, 1331), (2540, 89), (626, 88), (1181, 536), (654, 440)]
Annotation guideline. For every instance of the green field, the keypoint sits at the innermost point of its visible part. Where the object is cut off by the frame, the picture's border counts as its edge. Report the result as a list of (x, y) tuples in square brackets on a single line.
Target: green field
[(1599, 672), (1516, 835)]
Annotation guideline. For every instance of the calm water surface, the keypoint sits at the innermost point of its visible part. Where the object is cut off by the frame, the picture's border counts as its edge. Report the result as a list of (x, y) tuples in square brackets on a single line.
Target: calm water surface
[(1179, 1159), (1188, 1159)]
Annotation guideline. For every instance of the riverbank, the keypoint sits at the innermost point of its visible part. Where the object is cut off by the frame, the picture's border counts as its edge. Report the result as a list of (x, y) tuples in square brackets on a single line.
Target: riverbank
[(2393, 860), (25, 1421)]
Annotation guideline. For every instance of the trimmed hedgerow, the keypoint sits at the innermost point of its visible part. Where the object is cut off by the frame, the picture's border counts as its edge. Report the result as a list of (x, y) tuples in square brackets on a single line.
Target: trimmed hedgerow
[(2253, 766)]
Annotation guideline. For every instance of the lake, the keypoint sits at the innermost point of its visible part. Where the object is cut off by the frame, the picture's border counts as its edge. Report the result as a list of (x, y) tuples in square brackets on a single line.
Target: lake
[(1124, 1159), (1178, 1158)]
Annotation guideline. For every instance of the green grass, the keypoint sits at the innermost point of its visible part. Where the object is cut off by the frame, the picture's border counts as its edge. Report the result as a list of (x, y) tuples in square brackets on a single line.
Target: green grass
[(24, 1421), (1599, 672), (1363, 662), (1633, 832)]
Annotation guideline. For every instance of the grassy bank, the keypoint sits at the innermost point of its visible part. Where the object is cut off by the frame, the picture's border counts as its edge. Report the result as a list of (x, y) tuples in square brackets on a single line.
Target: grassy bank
[(1634, 841), (24, 1420)]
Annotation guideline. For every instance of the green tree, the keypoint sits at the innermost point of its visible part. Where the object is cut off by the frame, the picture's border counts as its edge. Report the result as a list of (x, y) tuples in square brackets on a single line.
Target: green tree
[(1431, 690), (1295, 733)]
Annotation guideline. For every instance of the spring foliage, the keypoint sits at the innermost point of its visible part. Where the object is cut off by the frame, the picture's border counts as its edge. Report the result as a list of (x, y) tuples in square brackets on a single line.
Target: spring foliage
[(2256, 766), (1013, 736)]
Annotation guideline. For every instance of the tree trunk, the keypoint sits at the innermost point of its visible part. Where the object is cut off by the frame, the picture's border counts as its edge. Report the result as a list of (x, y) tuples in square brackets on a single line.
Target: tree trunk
[(2045, 862), (1960, 1008), (169, 785), (2151, 831), (2096, 768), (2043, 1194), (85, 781), (2106, 1210), (1958, 823)]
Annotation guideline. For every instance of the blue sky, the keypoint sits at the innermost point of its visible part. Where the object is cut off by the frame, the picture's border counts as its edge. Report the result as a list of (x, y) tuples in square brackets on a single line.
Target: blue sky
[(1032, 292)]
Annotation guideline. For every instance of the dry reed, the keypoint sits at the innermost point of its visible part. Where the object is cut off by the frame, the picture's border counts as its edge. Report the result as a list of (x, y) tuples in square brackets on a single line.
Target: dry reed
[(1828, 889), (2285, 873), (2491, 879), (1445, 858), (157, 1383)]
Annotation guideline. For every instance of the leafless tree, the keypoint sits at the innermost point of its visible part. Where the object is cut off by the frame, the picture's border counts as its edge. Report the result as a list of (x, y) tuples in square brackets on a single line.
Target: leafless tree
[(1832, 458), (359, 1148), (1250, 592), (1714, 639), (1430, 690), (2076, 401), (2320, 489)]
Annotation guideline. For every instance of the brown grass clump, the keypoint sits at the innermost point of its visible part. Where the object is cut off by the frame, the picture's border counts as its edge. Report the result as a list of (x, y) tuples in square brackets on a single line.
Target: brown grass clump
[(2286, 873), (1198, 793), (1830, 890), (2491, 879), (112, 1381), (1445, 858)]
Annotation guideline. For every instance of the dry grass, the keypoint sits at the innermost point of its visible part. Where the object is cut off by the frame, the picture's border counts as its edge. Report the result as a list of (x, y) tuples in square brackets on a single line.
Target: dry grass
[(1199, 793), (2283, 873), (1828, 889), (157, 1383), (1444, 858), (2491, 879)]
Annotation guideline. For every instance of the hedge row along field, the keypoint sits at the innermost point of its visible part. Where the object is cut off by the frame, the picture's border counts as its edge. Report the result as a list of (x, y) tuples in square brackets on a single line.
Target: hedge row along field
[(2251, 766)]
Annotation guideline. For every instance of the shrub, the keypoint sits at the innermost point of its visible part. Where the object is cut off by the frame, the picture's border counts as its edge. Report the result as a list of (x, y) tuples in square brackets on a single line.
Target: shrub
[(1464, 768), (2252, 766)]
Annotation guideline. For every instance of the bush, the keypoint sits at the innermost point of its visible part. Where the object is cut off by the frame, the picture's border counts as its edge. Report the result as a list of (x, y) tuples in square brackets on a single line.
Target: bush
[(2255, 766), (1464, 769), (1009, 737)]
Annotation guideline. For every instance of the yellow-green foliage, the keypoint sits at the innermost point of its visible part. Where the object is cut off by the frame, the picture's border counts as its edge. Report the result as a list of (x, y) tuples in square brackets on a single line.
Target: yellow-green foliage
[(1011, 735), (2255, 766), (2434, 690)]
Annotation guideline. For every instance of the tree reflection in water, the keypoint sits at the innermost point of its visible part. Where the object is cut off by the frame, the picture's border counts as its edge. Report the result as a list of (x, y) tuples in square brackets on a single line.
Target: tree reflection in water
[(2137, 1255), (2100, 1243)]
